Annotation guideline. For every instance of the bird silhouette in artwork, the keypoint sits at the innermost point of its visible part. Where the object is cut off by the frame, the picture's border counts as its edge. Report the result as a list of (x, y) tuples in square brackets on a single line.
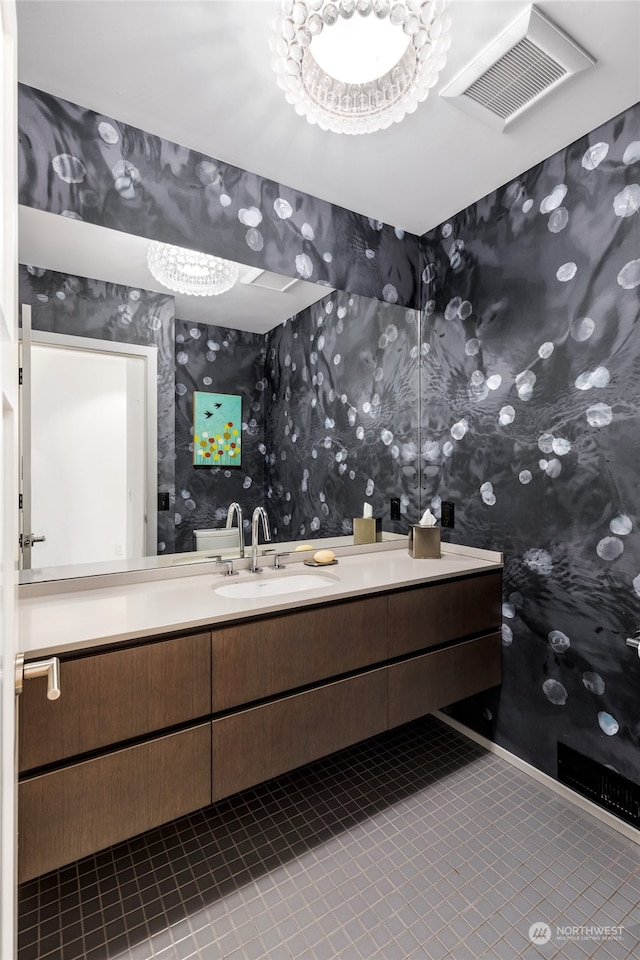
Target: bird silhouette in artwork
[(209, 413)]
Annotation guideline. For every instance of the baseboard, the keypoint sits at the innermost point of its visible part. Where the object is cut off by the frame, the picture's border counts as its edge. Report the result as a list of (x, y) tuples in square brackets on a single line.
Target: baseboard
[(566, 792)]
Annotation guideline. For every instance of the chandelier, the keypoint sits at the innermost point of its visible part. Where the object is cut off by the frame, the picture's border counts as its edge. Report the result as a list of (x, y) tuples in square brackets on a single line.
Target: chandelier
[(356, 66), (190, 272)]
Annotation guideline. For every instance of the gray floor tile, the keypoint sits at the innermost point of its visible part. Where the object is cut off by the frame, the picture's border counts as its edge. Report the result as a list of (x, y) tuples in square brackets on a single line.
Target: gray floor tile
[(415, 845)]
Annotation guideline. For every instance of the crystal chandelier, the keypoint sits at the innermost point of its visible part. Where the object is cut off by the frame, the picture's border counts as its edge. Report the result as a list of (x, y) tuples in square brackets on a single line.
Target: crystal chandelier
[(188, 271), (356, 66)]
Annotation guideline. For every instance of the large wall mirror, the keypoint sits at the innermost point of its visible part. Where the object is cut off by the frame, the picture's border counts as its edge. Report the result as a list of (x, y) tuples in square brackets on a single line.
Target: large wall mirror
[(328, 383)]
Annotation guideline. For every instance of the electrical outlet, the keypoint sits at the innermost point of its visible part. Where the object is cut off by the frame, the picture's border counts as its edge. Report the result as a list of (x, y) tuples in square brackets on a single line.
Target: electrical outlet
[(447, 514), (163, 501), (395, 508)]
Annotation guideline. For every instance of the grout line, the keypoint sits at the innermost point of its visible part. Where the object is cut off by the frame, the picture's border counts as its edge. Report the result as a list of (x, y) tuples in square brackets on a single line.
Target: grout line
[(411, 865), (559, 788)]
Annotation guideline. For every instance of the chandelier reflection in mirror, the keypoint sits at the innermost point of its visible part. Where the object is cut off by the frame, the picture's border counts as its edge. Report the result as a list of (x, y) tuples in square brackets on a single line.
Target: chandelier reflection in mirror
[(190, 272), (357, 66)]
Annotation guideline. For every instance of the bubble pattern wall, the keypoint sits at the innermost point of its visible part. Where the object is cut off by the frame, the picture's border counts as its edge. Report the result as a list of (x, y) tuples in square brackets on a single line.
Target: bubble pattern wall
[(329, 420), (342, 417), (531, 398), (81, 164), (518, 398), (218, 360)]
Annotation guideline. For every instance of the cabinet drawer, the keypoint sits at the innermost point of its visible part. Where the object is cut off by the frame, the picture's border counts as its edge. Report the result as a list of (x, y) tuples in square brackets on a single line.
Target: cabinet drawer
[(427, 616), (256, 660), (255, 744), (72, 812), (437, 679), (110, 697)]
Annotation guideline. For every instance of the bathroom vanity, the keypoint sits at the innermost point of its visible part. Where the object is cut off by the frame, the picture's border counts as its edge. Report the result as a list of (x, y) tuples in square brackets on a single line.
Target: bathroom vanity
[(174, 695)]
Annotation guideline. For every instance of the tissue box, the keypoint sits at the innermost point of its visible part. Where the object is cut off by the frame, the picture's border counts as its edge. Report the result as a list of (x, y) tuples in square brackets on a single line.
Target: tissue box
[(367, 529), (424, 542)]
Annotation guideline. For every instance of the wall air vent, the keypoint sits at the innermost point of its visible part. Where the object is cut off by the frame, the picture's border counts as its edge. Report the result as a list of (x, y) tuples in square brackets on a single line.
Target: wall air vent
[(600, 784), (527, 61)]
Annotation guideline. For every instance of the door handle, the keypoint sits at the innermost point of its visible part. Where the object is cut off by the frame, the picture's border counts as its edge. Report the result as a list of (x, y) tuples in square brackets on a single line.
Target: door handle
[(29, 539), (49, 668), (634, 641)]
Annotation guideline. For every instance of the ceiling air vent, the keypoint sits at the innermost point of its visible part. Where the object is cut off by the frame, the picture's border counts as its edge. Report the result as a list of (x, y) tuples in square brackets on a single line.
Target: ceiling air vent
[(256, 277), (527, 61)]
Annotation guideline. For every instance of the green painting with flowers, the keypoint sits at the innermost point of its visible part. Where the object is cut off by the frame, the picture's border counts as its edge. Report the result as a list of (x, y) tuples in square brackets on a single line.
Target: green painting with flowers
[(217, 428)]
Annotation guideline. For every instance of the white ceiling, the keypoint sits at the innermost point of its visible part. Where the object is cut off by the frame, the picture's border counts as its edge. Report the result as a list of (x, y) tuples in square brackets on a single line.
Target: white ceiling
[(198, 73)]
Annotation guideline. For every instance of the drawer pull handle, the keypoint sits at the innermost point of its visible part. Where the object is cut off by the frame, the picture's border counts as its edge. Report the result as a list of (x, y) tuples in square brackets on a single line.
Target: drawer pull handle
[(45, 668)]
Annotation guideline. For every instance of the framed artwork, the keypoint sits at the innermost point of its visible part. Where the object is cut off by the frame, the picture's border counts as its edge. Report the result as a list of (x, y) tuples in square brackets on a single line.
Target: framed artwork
[(217, 429)]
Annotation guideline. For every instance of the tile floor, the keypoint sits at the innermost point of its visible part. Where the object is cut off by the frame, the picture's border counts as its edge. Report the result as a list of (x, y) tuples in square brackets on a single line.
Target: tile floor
[(414, 845)]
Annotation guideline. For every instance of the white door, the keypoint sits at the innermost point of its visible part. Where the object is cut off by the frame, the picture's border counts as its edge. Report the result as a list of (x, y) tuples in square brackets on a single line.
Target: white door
[(88, 450), (8, 475), (87, 455)]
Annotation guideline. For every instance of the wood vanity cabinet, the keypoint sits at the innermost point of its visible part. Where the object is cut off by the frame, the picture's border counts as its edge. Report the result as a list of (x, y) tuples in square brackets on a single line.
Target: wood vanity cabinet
[(256, 660), (423, 617), (97, 787), (443, 613), (423, 684), (73, 811), (253, 745), (111, 697), (152, 729)]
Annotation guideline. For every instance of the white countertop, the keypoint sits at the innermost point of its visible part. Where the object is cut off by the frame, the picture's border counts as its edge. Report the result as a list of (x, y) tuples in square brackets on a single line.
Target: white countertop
[(56, 622)]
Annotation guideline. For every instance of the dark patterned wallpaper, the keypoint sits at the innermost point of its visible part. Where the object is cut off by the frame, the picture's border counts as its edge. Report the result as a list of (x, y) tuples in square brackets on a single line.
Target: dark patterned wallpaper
[(82, 307), (218, 360), (531, 399), (526, 413), (330, 419), (329, 405), (342, 416), (78, 163)]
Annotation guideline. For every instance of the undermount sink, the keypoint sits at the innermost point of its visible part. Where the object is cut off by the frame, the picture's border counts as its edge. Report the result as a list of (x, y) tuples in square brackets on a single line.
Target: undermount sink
[(286, 583)]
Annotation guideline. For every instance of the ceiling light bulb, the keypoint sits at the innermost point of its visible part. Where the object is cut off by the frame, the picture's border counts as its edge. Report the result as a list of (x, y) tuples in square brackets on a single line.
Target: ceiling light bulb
[(356, 66), (189, 271), (359, 50)]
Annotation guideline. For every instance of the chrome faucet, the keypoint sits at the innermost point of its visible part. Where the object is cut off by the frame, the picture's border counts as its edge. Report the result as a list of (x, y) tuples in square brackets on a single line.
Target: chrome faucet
[(235, 508), (258, 514)]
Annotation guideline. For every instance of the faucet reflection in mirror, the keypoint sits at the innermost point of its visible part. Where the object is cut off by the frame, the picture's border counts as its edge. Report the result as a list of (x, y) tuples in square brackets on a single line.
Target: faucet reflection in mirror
[(258, 515), (236, 510)]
